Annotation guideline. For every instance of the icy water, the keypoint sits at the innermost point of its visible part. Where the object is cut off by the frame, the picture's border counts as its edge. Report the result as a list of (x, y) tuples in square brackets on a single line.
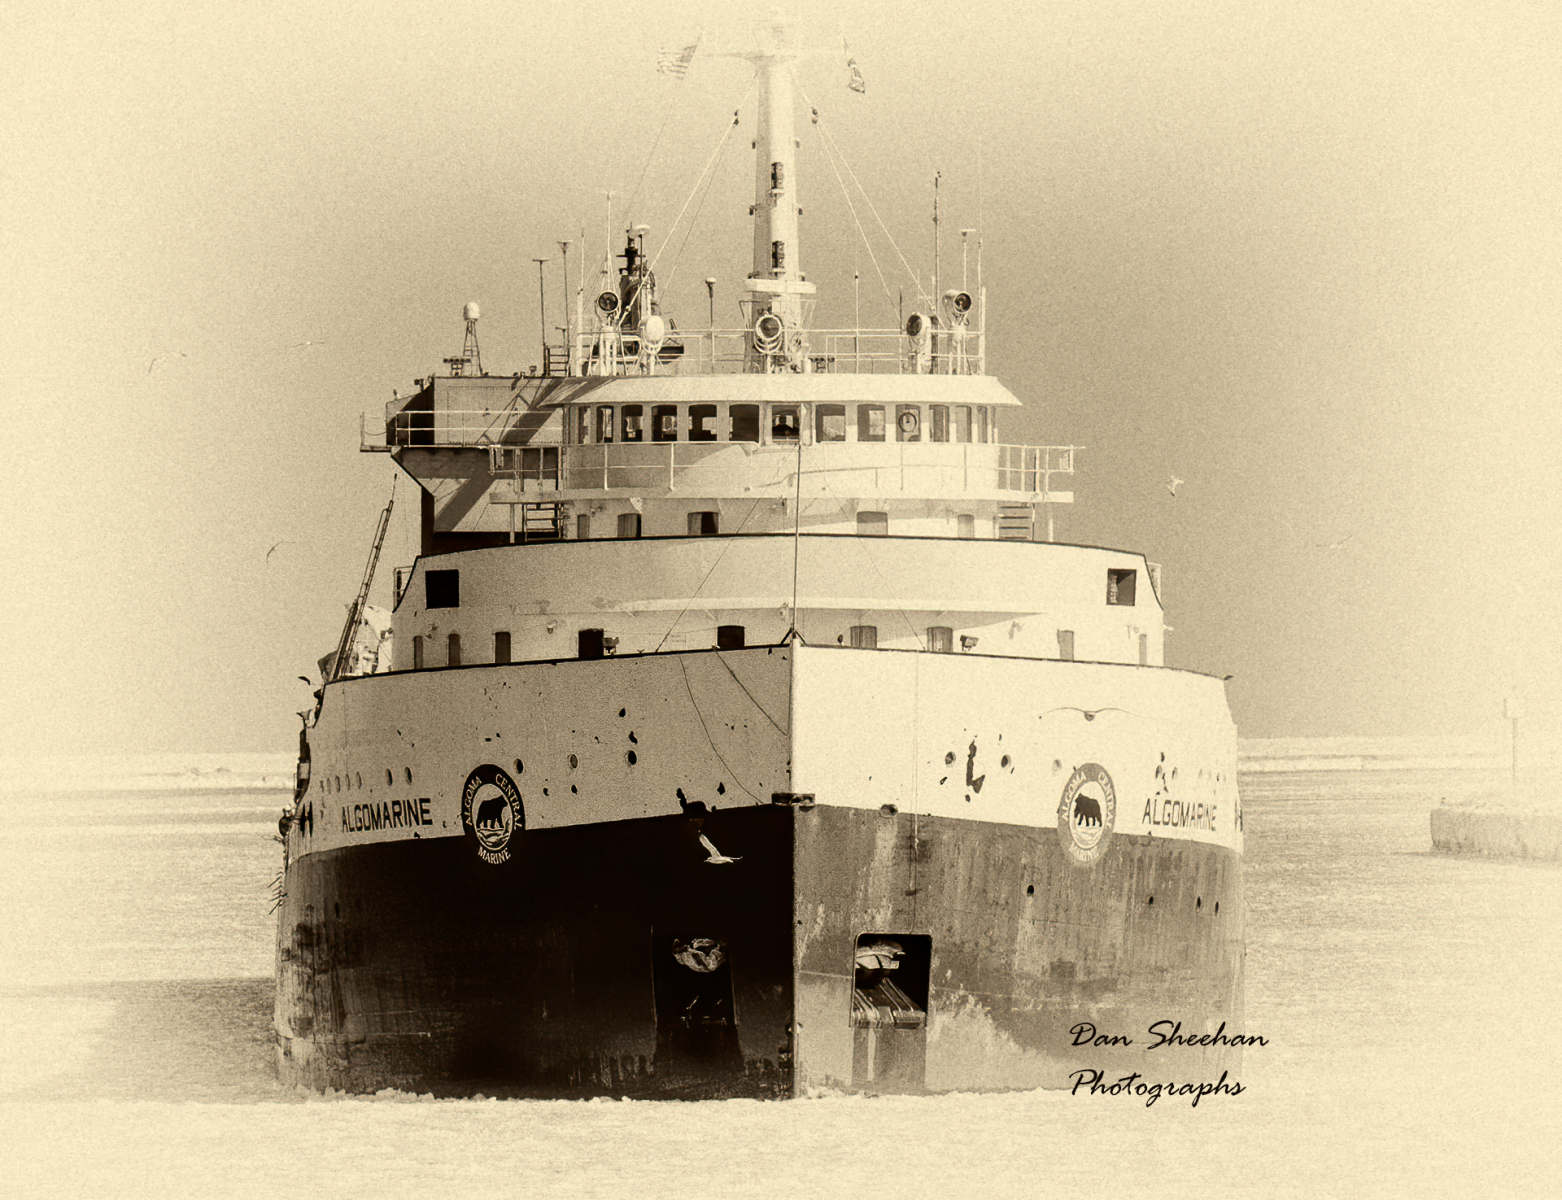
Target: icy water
[(1409, 1001)]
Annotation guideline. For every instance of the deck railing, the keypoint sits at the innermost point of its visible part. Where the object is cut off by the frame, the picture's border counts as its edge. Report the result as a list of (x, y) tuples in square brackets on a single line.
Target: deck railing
[(956, 351), (748, 469)]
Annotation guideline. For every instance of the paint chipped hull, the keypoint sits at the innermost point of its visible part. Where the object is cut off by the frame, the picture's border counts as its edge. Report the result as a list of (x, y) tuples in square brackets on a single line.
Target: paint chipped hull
[(1039, 869)]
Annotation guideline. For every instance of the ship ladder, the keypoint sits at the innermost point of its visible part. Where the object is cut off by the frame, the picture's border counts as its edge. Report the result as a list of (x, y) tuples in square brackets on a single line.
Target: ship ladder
[(1015, 521), (540, 523)]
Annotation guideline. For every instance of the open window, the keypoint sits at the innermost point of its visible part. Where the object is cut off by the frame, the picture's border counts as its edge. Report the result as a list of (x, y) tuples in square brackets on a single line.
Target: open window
[(730, 637), (702, 422), (704, 523), (783, 423), (664, 422), (634, 423), (830, 423), (1120, 585), (745, 422), (870, 422), (442, 589)]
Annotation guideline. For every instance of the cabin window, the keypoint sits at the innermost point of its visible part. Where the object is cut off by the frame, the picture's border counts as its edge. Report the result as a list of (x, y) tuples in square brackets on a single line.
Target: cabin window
[(830, 423), (1120, 585), (664, 422), (502, 646), (1066, 645), (908, 423), (967, 525), (633, 423), (962, 423), (783, 423), (702, 422), (590, 643), (872, 524), (703, 524), (745, 422), (605, 423), (629, 525), (454, 656), (582, 527), (729, 637), (417, 652), (870, 422), (938, 416), (442, 589), (941, 639), (1144, 649), (981, 424), (865, 637), (582, 425)]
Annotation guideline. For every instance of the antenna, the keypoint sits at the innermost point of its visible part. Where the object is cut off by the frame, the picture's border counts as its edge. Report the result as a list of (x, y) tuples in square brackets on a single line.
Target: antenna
[(569, 342), (542, 302)]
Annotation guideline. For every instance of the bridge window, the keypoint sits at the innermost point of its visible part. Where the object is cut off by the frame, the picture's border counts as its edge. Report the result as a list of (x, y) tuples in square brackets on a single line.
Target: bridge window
[(962, 422), (633, 423), (865, 637), (703, 524), (938, 415), (1066, 645), (830, 423), (454, 644), (783, 423), (967, 525), (870, 422), (589, 643), (702, 422), (582, 425), (745, 422), (502, 646), (872, 524), (605, 423), (908, 423), (1120, 586), (981, 424), (417, 652), (729, 637), (941, 639), (629, 525), (664, 422), (442, 589)]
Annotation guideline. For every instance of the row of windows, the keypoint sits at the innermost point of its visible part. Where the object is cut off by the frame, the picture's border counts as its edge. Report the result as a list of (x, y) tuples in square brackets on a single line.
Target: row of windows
[(442, 589), (595, 643), (604, 423), (707, 524)]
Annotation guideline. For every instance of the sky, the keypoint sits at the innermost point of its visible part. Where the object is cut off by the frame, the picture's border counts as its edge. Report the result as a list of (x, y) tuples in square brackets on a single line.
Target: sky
[(1302, 256)]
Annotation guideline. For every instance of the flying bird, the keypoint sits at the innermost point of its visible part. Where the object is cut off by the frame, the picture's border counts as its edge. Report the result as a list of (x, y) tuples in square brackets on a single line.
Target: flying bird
[(1335, 545), (273, 549), (1090, 714), (715, 855), (1173, 484), (151, 366), (301, 345)]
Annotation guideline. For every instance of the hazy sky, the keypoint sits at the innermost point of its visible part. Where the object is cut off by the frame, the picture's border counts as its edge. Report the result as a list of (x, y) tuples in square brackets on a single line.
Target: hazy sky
[(1302, 255)]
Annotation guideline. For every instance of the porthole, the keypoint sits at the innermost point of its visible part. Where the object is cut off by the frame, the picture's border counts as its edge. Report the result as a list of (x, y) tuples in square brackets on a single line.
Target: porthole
[(519, 767), (389, 778), (357, 779), (407, 771)]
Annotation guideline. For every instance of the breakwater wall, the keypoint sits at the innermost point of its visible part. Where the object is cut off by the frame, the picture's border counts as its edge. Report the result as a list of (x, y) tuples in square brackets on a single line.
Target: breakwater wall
[(1497, 830)]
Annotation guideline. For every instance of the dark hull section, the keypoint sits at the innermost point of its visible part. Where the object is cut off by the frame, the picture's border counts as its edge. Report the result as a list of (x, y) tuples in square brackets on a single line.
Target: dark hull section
[(1013, 945), (614, 959), (604, 959)]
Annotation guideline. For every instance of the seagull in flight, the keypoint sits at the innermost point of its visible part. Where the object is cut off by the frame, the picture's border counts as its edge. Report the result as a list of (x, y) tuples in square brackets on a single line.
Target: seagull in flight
[(715, 855), (1173, 484), (1335, 545), (151, 366), (1090, 714), (273, 549)]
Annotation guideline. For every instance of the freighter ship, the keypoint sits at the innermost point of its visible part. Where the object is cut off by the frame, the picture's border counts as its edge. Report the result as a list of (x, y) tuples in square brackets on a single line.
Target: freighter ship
[(744, 731)]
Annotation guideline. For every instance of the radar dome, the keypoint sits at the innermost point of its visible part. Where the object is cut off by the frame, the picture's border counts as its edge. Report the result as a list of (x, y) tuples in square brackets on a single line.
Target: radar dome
[(470, 312)]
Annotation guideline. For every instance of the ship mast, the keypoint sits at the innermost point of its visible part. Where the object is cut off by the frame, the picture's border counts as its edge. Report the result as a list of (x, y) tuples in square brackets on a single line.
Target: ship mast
[(776, 283)]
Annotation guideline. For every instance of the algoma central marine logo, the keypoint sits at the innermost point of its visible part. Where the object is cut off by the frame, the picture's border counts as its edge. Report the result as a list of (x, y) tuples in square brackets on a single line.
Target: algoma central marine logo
[(491, 811)]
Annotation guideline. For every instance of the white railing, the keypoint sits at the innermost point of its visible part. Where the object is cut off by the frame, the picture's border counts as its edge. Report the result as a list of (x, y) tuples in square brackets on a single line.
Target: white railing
[(957, 351), (752, 470)]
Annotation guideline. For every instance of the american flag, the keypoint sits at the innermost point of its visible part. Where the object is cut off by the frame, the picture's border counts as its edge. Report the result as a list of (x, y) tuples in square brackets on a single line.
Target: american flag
[(676, 62)]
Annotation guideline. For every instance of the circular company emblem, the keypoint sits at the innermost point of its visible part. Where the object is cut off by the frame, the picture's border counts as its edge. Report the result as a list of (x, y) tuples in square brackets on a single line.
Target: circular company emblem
[(491, 811), (1086, 813)]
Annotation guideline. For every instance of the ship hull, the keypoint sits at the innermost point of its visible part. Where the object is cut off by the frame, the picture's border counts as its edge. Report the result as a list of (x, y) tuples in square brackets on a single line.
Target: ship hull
[(708, 942)]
